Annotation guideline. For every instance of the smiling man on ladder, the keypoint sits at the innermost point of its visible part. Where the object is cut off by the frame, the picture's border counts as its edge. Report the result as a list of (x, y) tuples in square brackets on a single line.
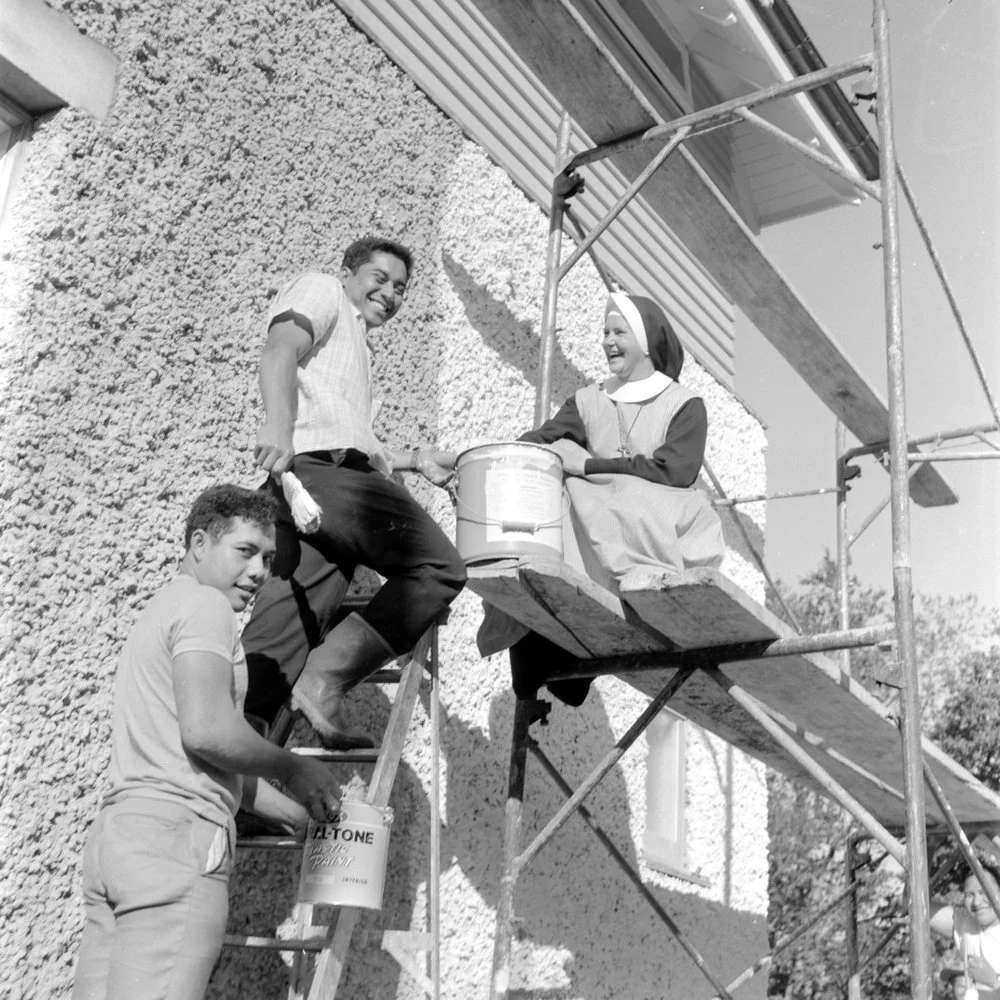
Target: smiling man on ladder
[(315, 379)]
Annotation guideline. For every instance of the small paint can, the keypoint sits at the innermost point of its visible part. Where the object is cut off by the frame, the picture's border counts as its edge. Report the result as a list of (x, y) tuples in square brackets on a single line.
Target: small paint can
[(344, 860)]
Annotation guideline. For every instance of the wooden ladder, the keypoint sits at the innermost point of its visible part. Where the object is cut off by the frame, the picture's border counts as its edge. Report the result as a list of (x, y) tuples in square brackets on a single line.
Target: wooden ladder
[(330, 944)]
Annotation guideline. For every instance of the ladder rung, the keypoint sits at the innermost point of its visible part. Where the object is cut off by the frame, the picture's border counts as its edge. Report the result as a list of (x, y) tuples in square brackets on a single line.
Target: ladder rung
[(357, 601), (367, 756), (386, 675), (272, 843), (316, 943)]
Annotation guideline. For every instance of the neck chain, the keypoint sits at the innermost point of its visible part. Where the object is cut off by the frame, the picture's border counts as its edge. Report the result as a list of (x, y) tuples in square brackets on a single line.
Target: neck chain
[(625, 449)]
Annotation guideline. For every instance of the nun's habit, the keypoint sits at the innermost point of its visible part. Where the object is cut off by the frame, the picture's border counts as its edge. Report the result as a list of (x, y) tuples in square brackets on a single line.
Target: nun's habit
[(636, 508)]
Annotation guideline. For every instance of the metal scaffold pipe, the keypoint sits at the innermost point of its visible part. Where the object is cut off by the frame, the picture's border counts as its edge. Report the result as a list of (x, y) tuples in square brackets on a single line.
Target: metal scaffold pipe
[(781, 495), (964, 845), (737, 652), (804, 149), (949, 294), (877, 447), (595, 260), (936, 882), (633, 189), (751, 548), (543, 396), (853, 957), (682, 939), (954, 456), (879, 507), (843, 545), (762, 963), (610, 759), (812, 767), (913, 777), (725, 110)]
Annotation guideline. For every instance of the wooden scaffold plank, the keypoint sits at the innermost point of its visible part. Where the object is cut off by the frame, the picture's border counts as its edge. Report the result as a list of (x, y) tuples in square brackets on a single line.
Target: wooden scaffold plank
[(701, 608), (828, 714)]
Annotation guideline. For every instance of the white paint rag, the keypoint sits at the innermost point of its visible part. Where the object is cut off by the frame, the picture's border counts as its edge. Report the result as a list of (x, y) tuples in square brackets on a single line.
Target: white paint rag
[(305, 511)]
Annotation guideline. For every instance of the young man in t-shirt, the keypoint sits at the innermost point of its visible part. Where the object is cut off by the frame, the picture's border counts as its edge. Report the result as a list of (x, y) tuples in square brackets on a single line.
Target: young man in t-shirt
[(319, 412), (157, 860)]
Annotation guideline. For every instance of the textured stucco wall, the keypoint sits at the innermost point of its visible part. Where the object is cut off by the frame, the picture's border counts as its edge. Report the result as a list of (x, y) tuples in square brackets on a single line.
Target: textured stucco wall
[(250, 141)]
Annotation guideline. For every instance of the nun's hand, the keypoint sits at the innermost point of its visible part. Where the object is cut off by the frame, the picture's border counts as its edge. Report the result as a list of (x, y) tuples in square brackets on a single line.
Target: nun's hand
[(573, 456), (574, 465)]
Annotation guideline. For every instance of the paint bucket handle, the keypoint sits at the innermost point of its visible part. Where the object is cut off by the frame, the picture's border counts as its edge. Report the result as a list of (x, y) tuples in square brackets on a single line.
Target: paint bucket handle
[(506, 525)]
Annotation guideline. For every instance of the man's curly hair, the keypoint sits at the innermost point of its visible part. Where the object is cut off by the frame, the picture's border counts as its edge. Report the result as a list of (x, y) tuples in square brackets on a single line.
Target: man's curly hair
[(217, 507)]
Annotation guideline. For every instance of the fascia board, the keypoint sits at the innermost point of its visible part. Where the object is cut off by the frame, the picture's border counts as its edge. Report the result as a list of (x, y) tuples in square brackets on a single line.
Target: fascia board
[(47, 63), (783, 72)]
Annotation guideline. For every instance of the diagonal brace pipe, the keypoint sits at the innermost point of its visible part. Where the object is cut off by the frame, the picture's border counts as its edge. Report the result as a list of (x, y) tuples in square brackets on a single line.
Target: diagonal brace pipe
[(805, 760), (630, 872), (614, 755)]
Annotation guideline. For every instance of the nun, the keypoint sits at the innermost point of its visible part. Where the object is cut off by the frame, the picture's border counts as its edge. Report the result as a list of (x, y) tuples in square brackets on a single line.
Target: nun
[(632, 447)]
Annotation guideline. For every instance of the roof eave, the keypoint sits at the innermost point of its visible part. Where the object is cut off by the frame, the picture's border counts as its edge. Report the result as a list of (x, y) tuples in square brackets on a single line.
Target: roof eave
[(790, 36)]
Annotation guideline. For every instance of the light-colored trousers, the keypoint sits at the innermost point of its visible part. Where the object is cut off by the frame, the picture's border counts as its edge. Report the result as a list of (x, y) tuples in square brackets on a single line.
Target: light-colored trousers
[(156, 897)]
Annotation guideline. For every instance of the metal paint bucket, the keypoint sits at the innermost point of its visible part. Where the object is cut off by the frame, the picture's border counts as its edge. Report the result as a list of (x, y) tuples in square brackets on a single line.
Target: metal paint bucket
[(343, 862), (510, 502)]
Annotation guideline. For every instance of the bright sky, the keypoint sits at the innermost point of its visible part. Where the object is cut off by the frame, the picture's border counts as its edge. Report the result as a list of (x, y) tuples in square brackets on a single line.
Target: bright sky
[(946, 80)]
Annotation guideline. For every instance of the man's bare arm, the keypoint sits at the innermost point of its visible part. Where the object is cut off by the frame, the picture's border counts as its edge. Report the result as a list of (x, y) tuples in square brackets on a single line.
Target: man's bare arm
[(270, 803), (286, 343), (436, 466), (212, 730)]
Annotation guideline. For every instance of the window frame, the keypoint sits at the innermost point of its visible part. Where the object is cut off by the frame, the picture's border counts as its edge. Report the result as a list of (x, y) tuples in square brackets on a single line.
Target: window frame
[(665, 837), (15, 128), (618, 16)]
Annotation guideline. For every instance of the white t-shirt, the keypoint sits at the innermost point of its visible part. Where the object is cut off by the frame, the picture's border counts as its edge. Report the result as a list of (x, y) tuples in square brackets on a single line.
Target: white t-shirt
[(147, 757), (971, 939)]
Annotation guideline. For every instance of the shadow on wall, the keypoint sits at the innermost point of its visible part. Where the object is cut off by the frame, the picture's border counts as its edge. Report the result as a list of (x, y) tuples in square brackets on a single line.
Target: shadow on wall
[(550, 908), (582, 930), (507, 335)]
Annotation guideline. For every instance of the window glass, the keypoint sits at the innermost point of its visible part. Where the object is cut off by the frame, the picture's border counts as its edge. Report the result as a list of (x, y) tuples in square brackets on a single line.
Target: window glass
[(665, 839), (15, 126)]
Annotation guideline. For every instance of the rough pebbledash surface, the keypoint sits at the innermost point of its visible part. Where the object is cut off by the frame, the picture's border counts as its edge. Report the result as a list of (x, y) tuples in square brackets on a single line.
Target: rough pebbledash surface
[(250, 141)]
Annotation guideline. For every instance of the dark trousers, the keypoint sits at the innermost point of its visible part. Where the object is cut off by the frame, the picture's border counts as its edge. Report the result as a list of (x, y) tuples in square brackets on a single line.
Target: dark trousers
[(367, 520), (531, 658)]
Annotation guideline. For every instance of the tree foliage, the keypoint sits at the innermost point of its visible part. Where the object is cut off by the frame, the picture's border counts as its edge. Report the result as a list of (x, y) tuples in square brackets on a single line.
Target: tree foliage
[(958, 654), (968, 723)]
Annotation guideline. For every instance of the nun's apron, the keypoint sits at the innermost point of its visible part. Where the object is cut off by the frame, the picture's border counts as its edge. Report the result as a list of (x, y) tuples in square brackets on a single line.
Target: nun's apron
[(618, 523)]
